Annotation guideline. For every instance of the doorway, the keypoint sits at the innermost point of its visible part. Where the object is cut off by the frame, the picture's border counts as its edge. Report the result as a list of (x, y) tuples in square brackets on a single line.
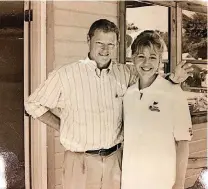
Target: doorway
[(12, 154)]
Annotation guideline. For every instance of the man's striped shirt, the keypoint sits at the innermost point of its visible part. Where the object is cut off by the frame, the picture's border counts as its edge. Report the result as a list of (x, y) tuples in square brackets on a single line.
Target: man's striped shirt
[(90, 103)]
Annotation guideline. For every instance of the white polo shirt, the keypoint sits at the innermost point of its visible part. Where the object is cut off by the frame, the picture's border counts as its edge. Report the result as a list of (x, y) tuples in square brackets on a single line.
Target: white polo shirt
[(153, 119)]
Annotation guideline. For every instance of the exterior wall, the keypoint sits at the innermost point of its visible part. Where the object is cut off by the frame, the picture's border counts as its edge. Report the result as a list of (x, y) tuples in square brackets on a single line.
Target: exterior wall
[(197, 151), (67, 26), (71, 23)]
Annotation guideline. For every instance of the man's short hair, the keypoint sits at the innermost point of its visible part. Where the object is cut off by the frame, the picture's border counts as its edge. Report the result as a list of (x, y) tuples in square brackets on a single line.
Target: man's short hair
[(105, 26), (148, 38)]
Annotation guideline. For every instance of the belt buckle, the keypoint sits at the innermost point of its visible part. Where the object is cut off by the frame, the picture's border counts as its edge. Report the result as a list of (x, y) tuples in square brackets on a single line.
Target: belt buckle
[(101, 151)]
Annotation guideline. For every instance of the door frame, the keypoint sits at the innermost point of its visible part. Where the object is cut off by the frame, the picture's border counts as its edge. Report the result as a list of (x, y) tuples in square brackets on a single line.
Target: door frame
[(26, 94), (35, 73)]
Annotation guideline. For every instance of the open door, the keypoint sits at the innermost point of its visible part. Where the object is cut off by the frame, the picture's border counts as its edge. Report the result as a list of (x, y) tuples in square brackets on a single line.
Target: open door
[(14, 133)]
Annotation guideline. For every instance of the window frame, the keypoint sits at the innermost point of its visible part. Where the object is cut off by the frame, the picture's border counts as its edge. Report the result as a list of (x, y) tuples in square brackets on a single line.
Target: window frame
[(174, 29), (175, 26)]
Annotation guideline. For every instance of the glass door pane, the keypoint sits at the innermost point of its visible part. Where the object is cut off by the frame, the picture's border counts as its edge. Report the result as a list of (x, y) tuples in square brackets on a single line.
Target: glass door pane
[(12, 171)]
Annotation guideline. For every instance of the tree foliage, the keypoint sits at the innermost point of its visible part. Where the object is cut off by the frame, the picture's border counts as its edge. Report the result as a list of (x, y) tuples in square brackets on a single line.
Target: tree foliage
[(164, 35), (194, 35), (194, 39), (131, 26)]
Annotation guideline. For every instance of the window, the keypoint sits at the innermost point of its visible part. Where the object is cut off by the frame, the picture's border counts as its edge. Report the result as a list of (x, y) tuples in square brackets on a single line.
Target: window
[(194, 50), (183, 27), (142, 16), (194, 35)]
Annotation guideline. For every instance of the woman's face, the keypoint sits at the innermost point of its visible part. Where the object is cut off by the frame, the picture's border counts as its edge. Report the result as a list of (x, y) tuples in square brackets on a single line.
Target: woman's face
[(147, 61)]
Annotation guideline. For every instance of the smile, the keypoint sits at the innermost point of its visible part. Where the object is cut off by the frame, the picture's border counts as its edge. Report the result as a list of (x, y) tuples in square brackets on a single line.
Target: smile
[(146, 69), (104, 55)]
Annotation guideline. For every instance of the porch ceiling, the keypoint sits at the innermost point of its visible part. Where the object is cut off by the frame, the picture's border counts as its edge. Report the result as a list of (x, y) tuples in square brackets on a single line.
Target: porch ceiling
[(197, 6)]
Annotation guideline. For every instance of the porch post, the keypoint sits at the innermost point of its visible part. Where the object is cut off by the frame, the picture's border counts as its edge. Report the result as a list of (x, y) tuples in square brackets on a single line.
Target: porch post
[(122, 27)]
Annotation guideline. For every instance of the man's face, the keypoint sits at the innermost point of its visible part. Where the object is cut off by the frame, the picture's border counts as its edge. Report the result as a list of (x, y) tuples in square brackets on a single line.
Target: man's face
[(147, 62), (101, 47)]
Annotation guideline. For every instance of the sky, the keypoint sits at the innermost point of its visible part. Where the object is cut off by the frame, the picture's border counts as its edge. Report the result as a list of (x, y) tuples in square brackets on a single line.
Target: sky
[(150, 17)]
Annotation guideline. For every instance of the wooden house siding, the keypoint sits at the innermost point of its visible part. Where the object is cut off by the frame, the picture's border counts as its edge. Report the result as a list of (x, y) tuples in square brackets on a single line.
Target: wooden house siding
[(197, 153)]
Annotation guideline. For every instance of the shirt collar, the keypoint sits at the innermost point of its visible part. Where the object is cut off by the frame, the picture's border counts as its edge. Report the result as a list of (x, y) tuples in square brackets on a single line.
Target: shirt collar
[(153, 86), (93, 65)]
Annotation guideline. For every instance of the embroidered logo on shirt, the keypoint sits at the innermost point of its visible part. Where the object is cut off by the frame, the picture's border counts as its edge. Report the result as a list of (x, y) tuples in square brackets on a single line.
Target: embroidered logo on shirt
[(154, 107)]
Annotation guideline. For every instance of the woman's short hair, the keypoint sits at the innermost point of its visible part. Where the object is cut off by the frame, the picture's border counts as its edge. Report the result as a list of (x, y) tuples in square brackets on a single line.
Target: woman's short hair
[(148, 38), (105, 26)]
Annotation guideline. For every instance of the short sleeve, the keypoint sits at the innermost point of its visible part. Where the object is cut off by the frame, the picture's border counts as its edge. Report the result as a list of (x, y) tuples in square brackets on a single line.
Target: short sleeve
[(45, 97), (181, 116)]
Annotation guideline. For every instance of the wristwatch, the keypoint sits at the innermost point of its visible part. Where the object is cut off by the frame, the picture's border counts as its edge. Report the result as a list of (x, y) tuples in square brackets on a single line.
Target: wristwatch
[(168, 77)]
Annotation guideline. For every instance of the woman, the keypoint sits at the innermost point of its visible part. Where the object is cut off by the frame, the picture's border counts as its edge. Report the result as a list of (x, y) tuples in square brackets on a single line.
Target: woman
[(157, 123)]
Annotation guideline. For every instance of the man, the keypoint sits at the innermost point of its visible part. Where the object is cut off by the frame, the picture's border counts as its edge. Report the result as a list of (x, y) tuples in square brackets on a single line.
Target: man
[(89, 94)]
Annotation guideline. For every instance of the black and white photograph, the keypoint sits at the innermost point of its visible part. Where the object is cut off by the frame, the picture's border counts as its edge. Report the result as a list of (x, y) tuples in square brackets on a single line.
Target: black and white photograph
[(103, 94)]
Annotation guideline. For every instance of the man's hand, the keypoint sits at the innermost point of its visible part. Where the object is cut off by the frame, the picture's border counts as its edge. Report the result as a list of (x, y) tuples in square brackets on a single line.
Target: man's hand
[(182, 72), (51, 120)]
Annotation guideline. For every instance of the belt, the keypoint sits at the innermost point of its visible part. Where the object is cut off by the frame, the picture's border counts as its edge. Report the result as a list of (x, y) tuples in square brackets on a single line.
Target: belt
[(104, 152)]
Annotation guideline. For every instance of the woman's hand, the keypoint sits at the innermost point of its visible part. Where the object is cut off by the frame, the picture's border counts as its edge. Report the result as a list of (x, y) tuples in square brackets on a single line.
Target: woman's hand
[(182, 72)]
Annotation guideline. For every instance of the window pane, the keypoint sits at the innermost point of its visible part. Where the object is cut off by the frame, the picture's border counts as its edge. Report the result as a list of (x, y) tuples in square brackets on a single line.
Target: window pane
[(196, 88), (142, 17), (194, 50), (194, 35)]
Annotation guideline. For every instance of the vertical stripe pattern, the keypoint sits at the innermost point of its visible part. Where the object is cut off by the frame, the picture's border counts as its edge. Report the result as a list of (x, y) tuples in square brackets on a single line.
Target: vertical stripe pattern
[(90, 101)]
